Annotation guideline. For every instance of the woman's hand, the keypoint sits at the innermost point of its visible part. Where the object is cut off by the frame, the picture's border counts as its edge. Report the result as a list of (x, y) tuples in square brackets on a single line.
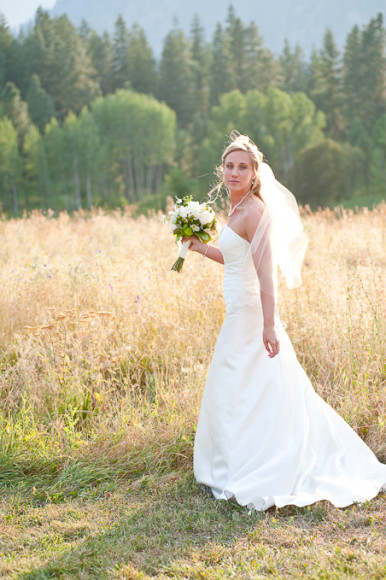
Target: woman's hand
[(196, 245), (271, 342)]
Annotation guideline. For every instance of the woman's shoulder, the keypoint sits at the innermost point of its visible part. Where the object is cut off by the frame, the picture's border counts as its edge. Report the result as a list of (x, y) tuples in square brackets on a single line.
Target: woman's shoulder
[(255, 209), (255, 217)]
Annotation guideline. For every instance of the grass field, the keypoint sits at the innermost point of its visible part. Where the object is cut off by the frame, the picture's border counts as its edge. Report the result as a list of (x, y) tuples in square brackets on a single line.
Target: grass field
[(104, 354)]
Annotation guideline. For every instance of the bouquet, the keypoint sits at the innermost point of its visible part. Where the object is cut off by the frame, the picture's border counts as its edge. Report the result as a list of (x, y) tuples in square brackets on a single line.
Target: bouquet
[(191, 218)]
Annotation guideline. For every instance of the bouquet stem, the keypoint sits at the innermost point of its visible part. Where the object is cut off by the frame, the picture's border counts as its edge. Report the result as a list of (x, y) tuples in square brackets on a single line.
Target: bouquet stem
[(177, 266)]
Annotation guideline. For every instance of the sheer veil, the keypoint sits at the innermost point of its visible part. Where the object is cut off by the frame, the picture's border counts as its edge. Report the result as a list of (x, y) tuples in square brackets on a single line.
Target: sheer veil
[(287, 238), (279, 239)]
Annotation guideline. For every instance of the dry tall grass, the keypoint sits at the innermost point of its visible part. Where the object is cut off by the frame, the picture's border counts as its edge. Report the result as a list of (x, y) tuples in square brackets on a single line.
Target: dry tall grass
[(104, 351)]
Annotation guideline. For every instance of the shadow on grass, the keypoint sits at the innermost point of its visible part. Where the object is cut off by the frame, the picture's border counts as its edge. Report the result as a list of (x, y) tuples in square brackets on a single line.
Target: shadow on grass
[(165, 526), (157, 528)]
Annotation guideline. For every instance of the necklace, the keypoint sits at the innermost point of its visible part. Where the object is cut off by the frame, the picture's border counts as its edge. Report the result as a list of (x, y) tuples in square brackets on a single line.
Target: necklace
[(237, 204)]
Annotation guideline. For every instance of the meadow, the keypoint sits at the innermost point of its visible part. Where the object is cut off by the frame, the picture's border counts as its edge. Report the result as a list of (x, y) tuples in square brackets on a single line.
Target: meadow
[(104, 354)]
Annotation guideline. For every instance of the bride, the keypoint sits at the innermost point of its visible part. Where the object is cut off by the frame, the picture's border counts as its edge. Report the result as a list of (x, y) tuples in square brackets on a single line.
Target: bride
[(264, 437)]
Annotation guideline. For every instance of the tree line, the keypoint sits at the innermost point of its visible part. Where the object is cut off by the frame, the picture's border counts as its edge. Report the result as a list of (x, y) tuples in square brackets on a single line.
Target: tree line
[(91, 119)]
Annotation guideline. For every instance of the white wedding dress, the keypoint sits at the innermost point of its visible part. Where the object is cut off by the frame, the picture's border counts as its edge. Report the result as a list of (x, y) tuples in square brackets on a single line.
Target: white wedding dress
[(264, 437)]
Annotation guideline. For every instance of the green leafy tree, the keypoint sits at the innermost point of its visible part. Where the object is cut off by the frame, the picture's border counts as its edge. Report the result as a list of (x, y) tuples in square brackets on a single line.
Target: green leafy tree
[(378, 161), (355, 181), (40, 104), (137, 135), (359, 137), (57, 168), (280, 124), (31, 168), (84, 153), (90, 149), (16, 110), (71, 132), (10, 166), (318, 174)]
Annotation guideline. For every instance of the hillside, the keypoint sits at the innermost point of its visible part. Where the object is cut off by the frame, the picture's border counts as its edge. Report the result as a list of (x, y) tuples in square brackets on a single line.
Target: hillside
[(300, 21)]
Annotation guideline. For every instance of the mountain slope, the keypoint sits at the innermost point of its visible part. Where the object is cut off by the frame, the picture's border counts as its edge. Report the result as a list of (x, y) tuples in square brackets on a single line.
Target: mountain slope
[(300, 21)]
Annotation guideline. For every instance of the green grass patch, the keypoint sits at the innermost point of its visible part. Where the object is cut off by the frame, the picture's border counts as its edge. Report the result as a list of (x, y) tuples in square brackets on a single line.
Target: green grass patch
[(166, 527)]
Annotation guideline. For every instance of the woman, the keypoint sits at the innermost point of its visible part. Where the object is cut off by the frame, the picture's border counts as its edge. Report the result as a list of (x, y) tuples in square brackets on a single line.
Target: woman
[(264, 437)]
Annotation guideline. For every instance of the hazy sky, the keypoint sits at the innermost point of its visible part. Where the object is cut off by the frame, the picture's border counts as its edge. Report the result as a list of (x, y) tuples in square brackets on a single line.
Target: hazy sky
[(18, 12)]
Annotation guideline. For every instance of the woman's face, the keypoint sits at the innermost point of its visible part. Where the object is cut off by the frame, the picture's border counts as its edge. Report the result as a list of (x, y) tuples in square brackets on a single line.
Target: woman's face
[(238, 172)]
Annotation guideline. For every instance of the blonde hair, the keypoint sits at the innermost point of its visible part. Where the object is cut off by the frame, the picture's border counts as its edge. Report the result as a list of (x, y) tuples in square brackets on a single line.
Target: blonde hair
[(239, 142)]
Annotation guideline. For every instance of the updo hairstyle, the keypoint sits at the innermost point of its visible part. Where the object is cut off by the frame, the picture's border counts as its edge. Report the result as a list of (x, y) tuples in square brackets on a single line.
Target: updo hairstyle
[(239, 142)]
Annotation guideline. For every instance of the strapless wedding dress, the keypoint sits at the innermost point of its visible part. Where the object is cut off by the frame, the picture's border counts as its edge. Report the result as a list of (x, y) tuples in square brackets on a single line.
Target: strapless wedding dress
[(264, 437)]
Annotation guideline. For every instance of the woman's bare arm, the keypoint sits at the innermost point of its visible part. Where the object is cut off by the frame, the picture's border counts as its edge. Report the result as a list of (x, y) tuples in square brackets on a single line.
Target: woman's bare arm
[(210, 252), (262, 256)]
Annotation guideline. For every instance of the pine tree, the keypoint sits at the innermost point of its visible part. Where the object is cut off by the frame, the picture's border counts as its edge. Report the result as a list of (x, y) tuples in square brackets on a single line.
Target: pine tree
[(121, 39), (219, 72), (200, 68), (364, 74), (353, 76), (374, 86), (236, 52), (140, 62), (58, 56), (100, 51), (40, 104), (176, 86), (85, 31), (251, 64), (327, 85), (6, 41), (265, 68), (294, 75), (253, 53)]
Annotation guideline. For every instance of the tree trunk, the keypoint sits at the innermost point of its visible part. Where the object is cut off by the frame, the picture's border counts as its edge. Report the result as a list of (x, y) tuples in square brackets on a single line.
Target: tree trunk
[(158, 179), (15, 201), (138, 168), (130, 181), (78, 201), (148, 178), (89, 190)]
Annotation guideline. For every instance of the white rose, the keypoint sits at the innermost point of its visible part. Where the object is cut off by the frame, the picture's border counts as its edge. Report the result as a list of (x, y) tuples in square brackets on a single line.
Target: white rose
[(206, 217), (194, 208), (184, 212)]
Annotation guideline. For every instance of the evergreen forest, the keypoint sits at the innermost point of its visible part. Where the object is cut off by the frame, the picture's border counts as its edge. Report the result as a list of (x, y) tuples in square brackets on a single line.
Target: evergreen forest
[(90, 119)]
